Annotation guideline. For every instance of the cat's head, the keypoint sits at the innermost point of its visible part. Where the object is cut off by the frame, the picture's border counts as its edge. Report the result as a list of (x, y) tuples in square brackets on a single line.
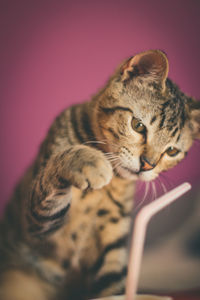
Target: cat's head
[(144, 119)]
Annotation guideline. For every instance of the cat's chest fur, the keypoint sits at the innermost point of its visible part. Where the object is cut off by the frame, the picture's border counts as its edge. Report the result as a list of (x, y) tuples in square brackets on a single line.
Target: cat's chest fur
[(97, 219)]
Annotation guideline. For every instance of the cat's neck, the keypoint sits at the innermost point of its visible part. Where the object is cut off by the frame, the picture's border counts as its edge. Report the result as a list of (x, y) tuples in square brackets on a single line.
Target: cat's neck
[(122, 191)]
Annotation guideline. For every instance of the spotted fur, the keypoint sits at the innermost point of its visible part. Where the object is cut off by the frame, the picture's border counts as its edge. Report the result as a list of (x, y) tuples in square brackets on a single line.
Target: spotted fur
[(65, 231)]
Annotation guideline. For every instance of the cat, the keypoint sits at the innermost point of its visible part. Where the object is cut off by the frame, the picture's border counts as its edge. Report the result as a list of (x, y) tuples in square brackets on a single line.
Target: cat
[(65, 231)]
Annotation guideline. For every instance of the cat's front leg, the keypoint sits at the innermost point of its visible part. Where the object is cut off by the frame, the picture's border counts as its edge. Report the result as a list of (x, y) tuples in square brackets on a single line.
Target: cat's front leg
[(79, 166), (85, 167)]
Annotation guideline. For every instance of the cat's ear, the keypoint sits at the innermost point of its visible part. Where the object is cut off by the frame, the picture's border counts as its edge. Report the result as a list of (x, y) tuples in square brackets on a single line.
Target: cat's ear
[(194, 107), (152, 64)]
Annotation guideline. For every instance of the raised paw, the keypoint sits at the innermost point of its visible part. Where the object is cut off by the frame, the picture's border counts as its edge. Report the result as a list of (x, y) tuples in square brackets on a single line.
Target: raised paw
[(88, 168)]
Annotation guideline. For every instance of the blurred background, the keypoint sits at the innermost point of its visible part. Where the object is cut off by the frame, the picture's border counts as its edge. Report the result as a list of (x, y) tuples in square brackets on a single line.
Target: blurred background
[(57, 53)]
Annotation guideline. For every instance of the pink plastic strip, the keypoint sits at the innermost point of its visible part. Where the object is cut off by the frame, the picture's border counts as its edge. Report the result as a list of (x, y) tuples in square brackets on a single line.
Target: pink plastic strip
[(139, 232)]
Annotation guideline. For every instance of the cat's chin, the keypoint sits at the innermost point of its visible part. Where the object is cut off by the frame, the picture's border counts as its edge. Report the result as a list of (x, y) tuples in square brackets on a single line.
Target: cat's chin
[(147, 176), (127, 173), (130, 174)]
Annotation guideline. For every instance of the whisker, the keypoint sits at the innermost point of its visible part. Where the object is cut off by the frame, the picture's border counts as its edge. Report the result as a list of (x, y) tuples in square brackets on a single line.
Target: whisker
[(111, 153), (150, 191), (162, 186), (114, 159), (144, 197), (117, 165), (104, 142), (168, 180), (154, 190), (139, 185), (146, 190)]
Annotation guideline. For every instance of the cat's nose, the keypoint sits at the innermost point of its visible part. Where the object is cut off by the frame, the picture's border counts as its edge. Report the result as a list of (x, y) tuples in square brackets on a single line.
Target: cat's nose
[(146, 165)]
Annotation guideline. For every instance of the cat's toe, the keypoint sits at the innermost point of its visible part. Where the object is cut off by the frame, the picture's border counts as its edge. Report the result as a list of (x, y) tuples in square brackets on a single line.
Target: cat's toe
[(99, 175)]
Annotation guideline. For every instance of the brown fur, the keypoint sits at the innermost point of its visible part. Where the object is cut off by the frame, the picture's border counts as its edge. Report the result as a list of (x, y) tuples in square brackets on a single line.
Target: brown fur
[(65, 230)]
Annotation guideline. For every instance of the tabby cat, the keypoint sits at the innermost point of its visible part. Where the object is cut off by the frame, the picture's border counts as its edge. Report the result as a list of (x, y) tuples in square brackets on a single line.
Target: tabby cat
[(65, 230)]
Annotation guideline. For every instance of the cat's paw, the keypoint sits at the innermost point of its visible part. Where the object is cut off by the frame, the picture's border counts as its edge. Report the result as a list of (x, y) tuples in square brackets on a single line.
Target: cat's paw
[(89, 169)]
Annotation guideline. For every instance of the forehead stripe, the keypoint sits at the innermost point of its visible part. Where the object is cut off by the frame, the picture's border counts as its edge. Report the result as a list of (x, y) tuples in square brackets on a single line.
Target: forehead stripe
[(162, 120), (178, 138), (153, 120), (163, 116), (111, 110), (175, 131)]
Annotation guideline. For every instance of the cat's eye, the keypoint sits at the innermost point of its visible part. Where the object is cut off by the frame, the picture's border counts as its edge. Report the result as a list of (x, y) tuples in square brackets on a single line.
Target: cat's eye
[(138, 126), (172, 151)]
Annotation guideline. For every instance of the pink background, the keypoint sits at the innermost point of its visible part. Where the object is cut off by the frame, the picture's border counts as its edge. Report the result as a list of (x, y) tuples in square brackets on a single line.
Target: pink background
[(55, 53)]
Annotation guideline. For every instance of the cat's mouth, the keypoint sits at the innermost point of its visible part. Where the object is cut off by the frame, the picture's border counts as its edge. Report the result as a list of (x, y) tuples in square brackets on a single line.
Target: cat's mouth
[(133, 172), (127, 172), (143, 175)]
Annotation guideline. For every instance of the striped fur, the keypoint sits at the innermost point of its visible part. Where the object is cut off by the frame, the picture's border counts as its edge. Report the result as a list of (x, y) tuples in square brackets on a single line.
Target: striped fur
[(65, 230)]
